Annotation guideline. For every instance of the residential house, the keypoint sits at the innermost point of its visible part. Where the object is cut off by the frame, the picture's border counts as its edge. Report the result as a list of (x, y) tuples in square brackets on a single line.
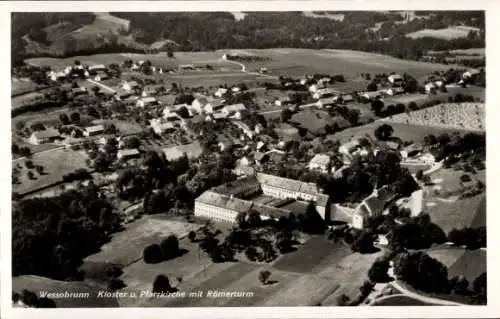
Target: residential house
[(161, 126), (348, 147), (282, 101), (395, 91), (235, 89), (147, 101), (470, 73), (430, 88), (370, 96), (323, 93), (346, 98), (259, 128), (326, 102), (320, 162), (93, 130), (395, 80), (101, 77), (97, 68), (128, 154), (234, 109), (130, 85), (42, 137), (220, 92), (151, 90), (213, 106)]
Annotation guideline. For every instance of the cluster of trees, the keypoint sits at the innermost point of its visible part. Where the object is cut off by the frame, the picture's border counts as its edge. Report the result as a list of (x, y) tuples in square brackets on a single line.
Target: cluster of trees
[(428, 274), (472, 238), (78, 175), (416, 233), (217, 251), (455, 147), (32, 300), (53, 245), (21, 151), (167, 249), (217, 30)]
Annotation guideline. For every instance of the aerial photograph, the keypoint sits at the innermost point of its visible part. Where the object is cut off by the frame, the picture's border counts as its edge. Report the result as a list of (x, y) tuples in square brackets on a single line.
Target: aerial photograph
[(248, 159)]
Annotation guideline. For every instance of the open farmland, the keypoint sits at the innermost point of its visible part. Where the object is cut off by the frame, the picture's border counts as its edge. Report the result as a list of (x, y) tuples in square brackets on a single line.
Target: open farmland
[(127, 246), (56, 163), (467, 116), (461, 262), (315, 120), (406, 132), (446, 34)]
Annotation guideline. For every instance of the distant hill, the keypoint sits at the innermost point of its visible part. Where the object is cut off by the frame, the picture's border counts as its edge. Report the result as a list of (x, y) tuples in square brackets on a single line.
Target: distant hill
[(68, 34)]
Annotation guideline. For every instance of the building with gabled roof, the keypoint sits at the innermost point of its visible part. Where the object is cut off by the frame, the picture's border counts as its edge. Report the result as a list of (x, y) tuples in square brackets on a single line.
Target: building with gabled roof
[(320, 162), (45, 136), (94, 130), (128, 154)]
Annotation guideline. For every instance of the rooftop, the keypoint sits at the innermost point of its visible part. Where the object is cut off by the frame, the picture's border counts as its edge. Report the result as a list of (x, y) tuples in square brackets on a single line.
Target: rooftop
[(95, 128), (289, 184), (48, 133), (129, 152), (320, 159), (235, 108)]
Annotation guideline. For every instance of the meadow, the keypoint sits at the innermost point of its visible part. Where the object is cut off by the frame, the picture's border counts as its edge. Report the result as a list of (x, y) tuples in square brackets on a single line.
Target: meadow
[(446, 33)]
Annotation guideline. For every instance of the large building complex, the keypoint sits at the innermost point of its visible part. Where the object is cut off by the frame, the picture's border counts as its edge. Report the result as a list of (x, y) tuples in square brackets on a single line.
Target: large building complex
[(225, 202)]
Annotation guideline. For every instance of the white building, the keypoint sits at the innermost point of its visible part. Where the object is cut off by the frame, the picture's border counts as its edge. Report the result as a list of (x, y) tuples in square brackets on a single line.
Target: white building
[(320, 162), (220, 92), (129, 85), (42, 137), (322, 93), (162, 125), (395, 79), (128, 154), (430, 88), (395, 91), (234, 109), (97, 67), (146, 101), (93, 130)]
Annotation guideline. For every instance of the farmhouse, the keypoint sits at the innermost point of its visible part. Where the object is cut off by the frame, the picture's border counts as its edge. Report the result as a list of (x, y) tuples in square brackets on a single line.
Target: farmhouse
[(470, 73), (225, 202), (78, 91), (204, 104), (220, 92), (161, 125), (320, 162), (146, 101), (395, 79), (151, 90), (430, 88), (97, 67), (101, 77), (234, 109), (213, 106), (395, 90), (346, 98), (370, 96), (348, 147), (93, 130), (128, 154), (284, 100), (326, 92), (129, 85), (42, 137), (326, 102)]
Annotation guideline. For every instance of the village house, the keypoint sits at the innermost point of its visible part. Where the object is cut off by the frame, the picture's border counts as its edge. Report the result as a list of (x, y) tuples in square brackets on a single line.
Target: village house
[(371, 96), (320, 162), (42, 137), (146, 101), (101, 77), (78, 91), (162, 125), (130, 85), (349, 147), (127, 154), (395, 80), (56, 76), (346, 98), (324, 93), (372, 206), (93, 130), (97, 68), (220, 92), (282, 101), (470, 73), (234, 110), (151, 90), (430, 88), (395, 91), (326, 102)]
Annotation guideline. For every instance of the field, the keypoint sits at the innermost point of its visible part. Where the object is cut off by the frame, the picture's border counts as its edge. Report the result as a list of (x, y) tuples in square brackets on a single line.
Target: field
[(406, 132), (25, 99), (315, 120), (399, 300), (446, 34), (465, 52), (56, 163), (37, 284), (462, 262), (22, 86), (127, 246), (283, 61)]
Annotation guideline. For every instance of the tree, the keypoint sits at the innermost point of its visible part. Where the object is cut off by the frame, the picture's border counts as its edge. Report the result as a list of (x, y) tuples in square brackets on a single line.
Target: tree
[(378, 271), (462, 285), (30, 175), (479, 284), (286, 115), (413, 106), (366, 288), (241, 220), (383, 132), (170, 247), (372, 87), (152, 254), (251, 253), (254, 219), (192, 236), (64, 119), (29, 164), (343, 300), (363, 242), (75, 117), (161, 284), (170, 53), (430, 140), (264, 276), (377, 106), (39, 169), (132, 142), (183, 112)]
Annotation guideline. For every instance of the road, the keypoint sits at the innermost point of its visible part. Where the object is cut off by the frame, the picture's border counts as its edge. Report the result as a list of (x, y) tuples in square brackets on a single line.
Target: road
[(107, 88), (244, 69), (425, 299), (300, 107)]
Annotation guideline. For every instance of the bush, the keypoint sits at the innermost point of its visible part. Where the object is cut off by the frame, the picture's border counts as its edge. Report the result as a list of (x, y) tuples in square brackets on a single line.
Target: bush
[(153, 254), (192, 236), (378, 271), (465, 178), (161, 284), (170, 247), (79, 174)]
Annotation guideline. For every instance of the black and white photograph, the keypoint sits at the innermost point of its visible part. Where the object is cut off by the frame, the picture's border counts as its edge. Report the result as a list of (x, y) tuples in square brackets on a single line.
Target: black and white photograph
[(248, 158)]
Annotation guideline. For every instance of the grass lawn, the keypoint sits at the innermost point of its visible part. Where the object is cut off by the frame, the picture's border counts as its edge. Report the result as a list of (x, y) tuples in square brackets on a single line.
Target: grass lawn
[(313, 120), (38, 284), (406, 132), (400, 300), (55, 163), (126, 247), (22, 85)]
